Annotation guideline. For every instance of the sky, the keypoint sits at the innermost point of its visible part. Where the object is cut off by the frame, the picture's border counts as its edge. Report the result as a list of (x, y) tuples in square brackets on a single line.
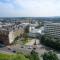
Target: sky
[(29, 8)]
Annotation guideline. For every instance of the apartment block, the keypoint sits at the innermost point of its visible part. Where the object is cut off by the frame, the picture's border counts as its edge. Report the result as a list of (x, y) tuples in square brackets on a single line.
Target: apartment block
[(8, 32)]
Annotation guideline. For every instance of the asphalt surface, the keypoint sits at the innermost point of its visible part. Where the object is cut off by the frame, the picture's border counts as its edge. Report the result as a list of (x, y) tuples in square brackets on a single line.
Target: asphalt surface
[(22, 48)]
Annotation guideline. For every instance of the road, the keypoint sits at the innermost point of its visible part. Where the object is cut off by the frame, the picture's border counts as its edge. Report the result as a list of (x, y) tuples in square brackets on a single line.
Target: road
[(22, 48)]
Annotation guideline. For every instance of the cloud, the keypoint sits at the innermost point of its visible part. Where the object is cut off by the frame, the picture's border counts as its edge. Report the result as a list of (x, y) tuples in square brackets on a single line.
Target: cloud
[(30, 8)]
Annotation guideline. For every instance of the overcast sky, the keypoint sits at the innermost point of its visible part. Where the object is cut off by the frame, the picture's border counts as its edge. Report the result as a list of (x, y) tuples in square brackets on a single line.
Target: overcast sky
[(29, 8)]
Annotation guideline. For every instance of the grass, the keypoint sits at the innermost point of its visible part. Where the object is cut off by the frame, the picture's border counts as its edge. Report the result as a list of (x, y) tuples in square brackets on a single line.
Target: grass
[(12, 57), (26, 40)]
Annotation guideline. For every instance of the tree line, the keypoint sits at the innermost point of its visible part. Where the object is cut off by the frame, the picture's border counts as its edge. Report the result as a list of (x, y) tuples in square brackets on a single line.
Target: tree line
[(51, 42)]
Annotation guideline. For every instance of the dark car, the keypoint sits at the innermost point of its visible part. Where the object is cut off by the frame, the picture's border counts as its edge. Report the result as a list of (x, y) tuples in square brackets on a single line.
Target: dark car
[(14, 51), (9, 48), (34, 48), (22, 47)]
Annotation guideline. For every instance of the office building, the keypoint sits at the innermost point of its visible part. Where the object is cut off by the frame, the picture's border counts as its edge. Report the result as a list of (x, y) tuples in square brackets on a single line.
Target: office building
[(52, 29)]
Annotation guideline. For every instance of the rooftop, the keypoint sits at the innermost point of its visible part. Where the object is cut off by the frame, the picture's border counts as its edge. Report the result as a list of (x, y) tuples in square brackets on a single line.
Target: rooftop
[(54, 23), (8, 27)]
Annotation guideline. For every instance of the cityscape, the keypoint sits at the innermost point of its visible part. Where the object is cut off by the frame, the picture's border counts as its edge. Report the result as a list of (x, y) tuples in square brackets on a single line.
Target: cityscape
[(29, 30)]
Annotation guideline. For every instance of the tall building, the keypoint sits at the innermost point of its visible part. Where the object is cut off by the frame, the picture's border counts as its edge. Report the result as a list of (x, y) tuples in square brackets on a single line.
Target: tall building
[(52, 29)]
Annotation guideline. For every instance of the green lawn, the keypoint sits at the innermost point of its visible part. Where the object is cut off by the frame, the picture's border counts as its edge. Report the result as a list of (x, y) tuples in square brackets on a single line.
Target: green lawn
[(12, 57)]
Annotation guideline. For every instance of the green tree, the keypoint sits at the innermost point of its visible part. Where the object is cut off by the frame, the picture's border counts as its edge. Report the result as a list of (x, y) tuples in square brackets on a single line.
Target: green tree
[(25, 38), (51, 42), (34, 55), (27, 29), (50, 56), (26, 34)]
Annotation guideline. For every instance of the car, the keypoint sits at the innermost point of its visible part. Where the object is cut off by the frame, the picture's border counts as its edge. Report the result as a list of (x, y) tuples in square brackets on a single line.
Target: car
[(29, 47), (34, 48), (14, 51), (22, 47), (9, 48)]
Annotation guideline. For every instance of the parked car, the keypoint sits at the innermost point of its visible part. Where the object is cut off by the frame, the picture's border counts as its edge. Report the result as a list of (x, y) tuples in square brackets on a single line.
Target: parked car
[(9, 48), (22, 47), (14, 51), (29, 47)]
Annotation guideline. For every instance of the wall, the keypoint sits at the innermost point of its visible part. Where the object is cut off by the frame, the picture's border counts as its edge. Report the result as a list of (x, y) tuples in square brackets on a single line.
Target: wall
[(4, 37)]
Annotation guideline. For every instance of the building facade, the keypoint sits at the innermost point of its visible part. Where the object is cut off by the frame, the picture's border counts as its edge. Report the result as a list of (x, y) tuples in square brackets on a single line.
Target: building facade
[(52, 29), (8, 33)]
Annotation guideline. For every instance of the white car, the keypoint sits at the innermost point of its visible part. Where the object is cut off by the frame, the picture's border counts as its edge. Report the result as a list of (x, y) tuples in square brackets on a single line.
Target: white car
[(30, 47)]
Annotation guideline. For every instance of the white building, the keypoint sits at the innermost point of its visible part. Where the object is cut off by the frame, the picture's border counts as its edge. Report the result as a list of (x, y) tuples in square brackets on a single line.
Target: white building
[(52, 29), (37, 32), (31, 26)]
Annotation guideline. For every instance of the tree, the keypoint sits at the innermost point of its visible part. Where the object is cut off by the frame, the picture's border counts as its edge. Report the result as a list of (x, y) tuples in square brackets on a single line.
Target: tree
[(25, 35), (27, 29), (25, 38), (51, 42), (34, 55), (50, 56)]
